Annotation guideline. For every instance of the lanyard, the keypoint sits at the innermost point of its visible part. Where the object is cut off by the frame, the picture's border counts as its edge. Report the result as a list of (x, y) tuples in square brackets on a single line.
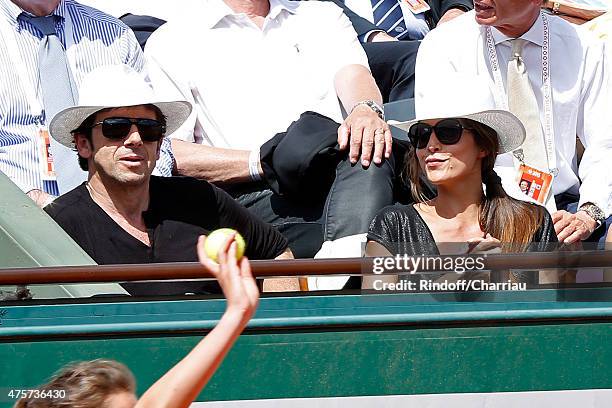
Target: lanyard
[(10, 36), (502, 101)]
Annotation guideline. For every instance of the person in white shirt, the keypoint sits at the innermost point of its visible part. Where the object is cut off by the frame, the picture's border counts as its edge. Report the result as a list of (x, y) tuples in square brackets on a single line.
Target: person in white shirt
[(403, 19), (574, 102), (255, 67)]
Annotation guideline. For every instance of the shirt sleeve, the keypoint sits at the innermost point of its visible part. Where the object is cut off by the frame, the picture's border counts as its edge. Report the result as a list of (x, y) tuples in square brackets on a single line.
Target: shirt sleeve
[(381, 231), (262, 240), (166, 162), (433, 72), (593, 129)]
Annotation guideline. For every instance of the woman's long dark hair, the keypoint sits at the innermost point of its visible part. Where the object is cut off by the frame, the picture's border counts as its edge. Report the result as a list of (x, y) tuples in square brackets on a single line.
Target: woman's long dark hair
[(513, 222)]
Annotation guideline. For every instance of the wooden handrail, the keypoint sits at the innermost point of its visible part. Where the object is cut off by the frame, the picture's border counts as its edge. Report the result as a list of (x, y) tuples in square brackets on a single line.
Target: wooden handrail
[(270, 268)]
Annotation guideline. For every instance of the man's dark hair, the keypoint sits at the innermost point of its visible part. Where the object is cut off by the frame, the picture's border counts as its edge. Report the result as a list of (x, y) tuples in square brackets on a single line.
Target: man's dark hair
[(85, 129)]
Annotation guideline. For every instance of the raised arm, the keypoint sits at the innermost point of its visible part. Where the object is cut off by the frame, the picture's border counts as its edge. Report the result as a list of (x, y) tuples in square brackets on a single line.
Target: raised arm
[(182, 384)]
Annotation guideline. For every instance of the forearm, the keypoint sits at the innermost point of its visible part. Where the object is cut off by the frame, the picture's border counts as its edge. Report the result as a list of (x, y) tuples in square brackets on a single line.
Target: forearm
[(213, 164), (354, 83), (182, 384)]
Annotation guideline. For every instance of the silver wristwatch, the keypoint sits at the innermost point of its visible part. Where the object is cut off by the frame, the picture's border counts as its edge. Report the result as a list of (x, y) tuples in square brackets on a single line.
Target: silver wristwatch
[(594, 212), (372, 105)]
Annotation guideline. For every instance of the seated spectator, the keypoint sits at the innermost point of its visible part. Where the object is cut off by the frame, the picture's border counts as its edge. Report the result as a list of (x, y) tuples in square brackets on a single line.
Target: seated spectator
[(46, 49), (107, 383), (122, 214), (557, 98), (381, 23), (259, 65), (456, 152), (388, 20)]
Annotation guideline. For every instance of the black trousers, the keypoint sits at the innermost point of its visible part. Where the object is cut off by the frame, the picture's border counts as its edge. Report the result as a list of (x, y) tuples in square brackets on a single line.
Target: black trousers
[(392, 64), (346, 208)]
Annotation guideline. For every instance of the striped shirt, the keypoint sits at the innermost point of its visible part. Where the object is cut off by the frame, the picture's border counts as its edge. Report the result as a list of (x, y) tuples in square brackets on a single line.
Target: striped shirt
[(94, 39)]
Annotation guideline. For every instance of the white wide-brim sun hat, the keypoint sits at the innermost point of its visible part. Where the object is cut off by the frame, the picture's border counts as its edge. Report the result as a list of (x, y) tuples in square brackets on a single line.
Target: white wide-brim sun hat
[(114, 86), (473, 101)]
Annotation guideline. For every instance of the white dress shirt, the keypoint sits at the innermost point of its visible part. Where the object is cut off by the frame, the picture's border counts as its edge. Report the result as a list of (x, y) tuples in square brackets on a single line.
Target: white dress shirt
[(415, 23), (247, 83), (580, 92)]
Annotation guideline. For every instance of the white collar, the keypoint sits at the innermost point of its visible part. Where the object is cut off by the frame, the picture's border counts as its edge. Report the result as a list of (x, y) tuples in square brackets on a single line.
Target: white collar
[(534, 35)]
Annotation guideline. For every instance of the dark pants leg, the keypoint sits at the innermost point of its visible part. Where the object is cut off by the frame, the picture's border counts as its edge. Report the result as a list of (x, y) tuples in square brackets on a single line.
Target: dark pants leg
[(356, 195), (392, 64), (569, 203)]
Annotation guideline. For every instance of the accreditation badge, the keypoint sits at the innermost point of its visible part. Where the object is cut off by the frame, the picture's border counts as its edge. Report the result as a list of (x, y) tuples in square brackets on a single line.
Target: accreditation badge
[(417, 6), (47, 170), (534, 183)]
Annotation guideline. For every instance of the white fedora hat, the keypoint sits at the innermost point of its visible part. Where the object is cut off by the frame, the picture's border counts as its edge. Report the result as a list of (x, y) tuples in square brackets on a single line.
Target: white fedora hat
[(114, 86), (469, 100)]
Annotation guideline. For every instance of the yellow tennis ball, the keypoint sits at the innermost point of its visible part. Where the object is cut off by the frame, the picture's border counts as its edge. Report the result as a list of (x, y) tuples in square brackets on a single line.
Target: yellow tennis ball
[(217, 238)]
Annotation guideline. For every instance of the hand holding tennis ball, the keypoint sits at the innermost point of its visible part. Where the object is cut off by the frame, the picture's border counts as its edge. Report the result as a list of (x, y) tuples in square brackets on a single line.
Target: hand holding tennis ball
[(216, 239)]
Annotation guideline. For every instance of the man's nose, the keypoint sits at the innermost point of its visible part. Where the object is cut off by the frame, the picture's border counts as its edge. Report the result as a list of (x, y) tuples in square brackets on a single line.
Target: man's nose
[(133, 137)]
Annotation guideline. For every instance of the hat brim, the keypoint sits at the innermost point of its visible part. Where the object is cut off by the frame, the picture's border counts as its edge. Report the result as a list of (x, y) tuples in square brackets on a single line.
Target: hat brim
[(69, 119), (510, 130)]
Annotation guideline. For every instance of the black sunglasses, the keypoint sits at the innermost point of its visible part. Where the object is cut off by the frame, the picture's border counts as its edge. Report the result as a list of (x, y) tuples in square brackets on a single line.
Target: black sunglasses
[(448, 132), (150, 130)]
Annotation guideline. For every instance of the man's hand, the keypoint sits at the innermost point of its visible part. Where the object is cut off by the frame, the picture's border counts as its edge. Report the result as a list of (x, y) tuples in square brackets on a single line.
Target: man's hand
[(40, 197), (450, 14), (235, 278), (571, 228), (381, 36), (368, 134)]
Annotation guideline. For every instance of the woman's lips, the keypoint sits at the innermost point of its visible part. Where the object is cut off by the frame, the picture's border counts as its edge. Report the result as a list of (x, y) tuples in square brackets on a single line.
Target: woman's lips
[(432, 162)]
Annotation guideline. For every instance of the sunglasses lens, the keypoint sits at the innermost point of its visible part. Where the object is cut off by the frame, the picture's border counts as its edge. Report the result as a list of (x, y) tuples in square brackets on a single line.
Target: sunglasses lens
[(419, 134), (448, 131), (116, 128), (150, 130)]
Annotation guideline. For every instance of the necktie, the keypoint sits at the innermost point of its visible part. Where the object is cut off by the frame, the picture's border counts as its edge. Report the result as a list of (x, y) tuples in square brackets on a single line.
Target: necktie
[(59, 92), (522, 102), (388, 16)]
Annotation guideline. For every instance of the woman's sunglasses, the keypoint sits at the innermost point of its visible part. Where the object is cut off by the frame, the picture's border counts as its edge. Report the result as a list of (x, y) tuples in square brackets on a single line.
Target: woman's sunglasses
[(118, 128), (448, 132)]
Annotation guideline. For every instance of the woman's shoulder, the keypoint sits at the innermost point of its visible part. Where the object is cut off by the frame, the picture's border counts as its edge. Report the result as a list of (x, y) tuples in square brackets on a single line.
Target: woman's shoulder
[(394, 214)]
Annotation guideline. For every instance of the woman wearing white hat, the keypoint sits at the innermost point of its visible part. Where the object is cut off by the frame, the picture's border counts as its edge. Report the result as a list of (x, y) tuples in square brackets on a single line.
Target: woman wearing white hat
[(456, 153)]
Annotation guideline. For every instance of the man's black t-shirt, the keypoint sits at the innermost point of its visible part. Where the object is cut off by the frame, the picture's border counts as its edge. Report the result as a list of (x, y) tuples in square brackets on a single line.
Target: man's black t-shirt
[(180, 210)]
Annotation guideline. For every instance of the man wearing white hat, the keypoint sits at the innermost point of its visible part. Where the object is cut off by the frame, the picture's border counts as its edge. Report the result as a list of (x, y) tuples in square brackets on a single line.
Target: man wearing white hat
[(122, 214)]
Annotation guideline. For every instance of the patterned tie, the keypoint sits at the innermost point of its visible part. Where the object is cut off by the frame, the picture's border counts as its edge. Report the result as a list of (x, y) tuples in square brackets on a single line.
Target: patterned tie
[(388, 16), (59, 92), (522, 102)]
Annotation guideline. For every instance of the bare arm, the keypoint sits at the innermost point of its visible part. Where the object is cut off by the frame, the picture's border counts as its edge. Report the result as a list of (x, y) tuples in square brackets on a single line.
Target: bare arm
[(362, 130), (182, 384), (213, 164)]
